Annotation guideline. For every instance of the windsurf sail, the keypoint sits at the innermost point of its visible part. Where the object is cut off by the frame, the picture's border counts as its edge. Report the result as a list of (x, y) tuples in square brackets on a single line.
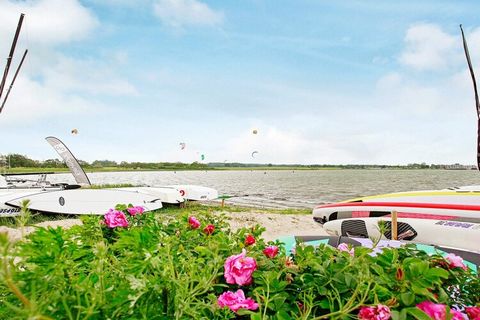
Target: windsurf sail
[(72, 163), (477, 102), (10, 55)]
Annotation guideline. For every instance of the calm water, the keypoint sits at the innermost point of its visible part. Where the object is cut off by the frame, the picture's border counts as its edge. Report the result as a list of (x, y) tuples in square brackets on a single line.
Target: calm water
[(293, 189)]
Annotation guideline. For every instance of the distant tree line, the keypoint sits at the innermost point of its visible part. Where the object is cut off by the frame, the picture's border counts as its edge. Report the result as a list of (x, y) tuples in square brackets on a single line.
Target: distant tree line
[(21, 161)]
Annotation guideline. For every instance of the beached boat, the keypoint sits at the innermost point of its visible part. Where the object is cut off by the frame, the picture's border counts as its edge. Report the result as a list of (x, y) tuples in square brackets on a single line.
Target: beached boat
[(458, 204), (63, 198)]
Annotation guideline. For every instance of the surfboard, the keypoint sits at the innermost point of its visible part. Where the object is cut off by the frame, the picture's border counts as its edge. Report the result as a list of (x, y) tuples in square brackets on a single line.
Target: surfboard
[(168, 195), (460, 204), (455, 234), (85, 201)]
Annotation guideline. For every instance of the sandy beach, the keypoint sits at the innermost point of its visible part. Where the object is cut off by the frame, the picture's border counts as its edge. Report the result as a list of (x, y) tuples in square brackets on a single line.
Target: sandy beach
[(276, 225)]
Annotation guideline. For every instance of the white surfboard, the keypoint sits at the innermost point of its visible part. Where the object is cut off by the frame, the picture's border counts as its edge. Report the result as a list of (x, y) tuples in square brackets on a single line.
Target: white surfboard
[(86, 201), (453, 234), (462, 204), (168, 195), (7, 195)]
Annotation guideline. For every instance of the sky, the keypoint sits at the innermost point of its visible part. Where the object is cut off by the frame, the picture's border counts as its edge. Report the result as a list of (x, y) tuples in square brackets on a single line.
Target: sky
[(322, 82)]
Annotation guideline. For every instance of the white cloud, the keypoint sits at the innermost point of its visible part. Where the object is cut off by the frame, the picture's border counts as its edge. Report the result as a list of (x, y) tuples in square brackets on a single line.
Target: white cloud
[(47, 21), (428, 47), (88, 77), (31, 100), (51, 83), (183, 13)]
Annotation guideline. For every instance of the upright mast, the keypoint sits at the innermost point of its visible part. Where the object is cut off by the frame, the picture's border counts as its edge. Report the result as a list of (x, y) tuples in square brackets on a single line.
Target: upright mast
[(10, 56), (13, 81), (477, 102)]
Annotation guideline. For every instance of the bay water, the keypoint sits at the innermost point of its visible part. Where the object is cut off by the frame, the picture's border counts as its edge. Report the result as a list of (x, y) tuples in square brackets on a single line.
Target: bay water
[(292, 188)]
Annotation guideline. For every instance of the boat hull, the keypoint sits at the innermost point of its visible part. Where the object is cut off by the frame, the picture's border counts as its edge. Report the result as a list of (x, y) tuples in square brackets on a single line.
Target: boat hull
[(84, 201)]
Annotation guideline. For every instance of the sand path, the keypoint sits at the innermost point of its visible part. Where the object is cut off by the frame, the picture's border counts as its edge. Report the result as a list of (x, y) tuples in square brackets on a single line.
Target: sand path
[(276, 225)]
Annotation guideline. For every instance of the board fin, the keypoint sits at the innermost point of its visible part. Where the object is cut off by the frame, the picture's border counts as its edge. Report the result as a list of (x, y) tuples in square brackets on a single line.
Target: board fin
[(80, 176)]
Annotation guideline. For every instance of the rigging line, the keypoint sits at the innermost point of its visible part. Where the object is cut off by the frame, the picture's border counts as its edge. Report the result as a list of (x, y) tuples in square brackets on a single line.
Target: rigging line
[(477, 103), (13, 80), (10, 56)]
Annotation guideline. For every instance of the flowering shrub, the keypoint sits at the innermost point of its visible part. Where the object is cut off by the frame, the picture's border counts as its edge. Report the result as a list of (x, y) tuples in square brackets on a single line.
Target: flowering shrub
[(194, 223), (115, 218), (209, 229), (236, 300), (473, 312), (379, 312), (270, 251), (189, 265), (249, 240)]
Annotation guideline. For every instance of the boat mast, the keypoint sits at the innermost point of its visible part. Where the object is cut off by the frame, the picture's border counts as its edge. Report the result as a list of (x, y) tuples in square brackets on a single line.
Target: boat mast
[(13, 80), (10, 56), (477, 102)]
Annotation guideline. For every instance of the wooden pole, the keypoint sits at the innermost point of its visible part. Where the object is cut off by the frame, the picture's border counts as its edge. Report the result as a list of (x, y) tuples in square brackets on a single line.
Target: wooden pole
[(223, 203), (394, 225)]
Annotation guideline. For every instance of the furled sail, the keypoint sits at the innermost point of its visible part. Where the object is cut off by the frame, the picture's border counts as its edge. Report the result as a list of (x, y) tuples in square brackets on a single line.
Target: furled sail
[(72, 163)]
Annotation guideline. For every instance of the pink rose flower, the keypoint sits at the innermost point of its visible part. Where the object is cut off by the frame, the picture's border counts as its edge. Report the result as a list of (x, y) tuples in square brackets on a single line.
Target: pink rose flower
[(135, 210), (236, 300), (209, 229), (457, 315), (344, 247), (193, 222), (379, 312), (455, 261), (249, 240), (433, 310), (438, 311), (271, 251), (473, 313), (115, 218), (239, 269)]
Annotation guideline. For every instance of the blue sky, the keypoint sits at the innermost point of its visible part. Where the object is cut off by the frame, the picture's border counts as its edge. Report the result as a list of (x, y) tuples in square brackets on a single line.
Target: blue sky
[(336, 82)]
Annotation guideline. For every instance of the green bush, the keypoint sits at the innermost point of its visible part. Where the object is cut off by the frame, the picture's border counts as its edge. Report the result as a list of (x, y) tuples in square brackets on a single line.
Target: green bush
[(167, 267)]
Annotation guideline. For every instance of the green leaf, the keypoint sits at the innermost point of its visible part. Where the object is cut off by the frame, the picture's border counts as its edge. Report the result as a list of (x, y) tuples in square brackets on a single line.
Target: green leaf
[(255, 316), (407, 298), (417, 269), (324, 304), (282, 315), (402, 315), (436, 273)]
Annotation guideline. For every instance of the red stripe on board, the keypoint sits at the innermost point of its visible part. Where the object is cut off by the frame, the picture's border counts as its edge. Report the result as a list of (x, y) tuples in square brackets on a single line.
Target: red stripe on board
[(366, 214), (403, 205)]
